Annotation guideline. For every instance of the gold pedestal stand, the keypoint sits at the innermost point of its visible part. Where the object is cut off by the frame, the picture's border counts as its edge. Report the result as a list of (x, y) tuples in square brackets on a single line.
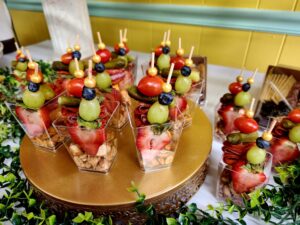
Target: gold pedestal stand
[(57, 181)]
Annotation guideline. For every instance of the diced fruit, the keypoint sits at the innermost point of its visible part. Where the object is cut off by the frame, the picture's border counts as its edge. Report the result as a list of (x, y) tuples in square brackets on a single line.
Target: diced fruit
[(66, 58), (140, 114), (89, 110), (33, 100), (294, 116), (158, 114), (104, 54), (150, 86), (244, 180), (246, 125), (103, 80), (228, 115), (147, 140), (21, 66), (235, 88), (242, 99), (163, 61), (183, 84), (256, 155), (35, 122), (127, 81), (89, 140), (72, 66), (284, 151), (75, 87), (178, 61), (195, 76), (47, 91), (294, 134), (113, 95)]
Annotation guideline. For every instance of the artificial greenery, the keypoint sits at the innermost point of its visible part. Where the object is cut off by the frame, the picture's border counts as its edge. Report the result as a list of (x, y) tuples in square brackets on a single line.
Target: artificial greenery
[(276, 204)]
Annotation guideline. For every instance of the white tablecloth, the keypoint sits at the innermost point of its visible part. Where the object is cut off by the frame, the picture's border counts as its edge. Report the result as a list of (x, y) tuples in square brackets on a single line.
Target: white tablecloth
[(218, 79)]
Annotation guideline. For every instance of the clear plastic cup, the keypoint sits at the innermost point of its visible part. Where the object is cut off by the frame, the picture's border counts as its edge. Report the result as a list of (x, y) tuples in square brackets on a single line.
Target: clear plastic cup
[(92, 149)]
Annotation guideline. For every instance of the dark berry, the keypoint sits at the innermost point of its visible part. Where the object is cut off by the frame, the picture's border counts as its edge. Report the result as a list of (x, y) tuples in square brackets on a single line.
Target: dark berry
[(165, 98), (227, 99), (166, 49), (186, 71), (21, 59), (76, 54), (246, 87), (99, 67), (33, 87), (122, 51), (88, 93), (261, 143)]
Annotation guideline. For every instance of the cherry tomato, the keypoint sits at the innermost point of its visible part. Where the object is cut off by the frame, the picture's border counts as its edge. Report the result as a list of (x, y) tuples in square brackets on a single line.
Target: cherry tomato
[(30, 72), (246, 125), (294, 116), (66, 58), (178, 61), (75, 86), (104, 54), (116, 47), (150, 85), (158, 51), (235, 88)]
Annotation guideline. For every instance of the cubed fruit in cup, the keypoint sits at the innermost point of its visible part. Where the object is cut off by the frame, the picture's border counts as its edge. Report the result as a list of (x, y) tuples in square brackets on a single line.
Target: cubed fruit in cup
[(92, 149), (37, 124)]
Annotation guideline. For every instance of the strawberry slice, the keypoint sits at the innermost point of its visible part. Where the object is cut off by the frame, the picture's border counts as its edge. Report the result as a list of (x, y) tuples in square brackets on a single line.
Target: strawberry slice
[(244, 180), (89, 140), (228, 115), (181, 105), (34, 121), (140, 114), (284, 151), (116, 75), (147, 140)]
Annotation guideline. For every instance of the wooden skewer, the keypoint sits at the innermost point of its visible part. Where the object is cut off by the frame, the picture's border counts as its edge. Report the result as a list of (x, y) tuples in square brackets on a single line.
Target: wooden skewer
[(179, 43), (77, 39), (191, 53), (125, 34), (90, 69), (252, 104), (170, 73), (165, 37), (93, 48), (29, 56), (168, 35), (273, 123), (17, 46), (254, 74), (99, 37), (36, 69), (76, 64), (121, 37), (152, 59)]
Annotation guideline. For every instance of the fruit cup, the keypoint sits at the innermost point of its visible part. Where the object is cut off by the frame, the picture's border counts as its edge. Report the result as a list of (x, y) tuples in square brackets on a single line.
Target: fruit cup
[(237, 180), (225, 116), (155, 144), (37, 124), (92, 149)]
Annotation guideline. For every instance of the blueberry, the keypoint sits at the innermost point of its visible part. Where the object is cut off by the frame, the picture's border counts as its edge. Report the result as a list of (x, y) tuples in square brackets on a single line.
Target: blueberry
[(122, 51), (76, 54), (166, 49), (165, 98), (88, 93), (21, 59), (186, 71), (246, 87), (33, 87), (261, 143), (99, 67)]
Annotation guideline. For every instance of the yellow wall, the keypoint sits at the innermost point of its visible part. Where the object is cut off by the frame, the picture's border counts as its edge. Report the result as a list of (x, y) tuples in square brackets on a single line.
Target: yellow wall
[(221, 46)]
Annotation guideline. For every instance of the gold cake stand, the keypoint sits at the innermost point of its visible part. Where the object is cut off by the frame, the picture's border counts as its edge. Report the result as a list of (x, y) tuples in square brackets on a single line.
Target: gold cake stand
[(57, 181)]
